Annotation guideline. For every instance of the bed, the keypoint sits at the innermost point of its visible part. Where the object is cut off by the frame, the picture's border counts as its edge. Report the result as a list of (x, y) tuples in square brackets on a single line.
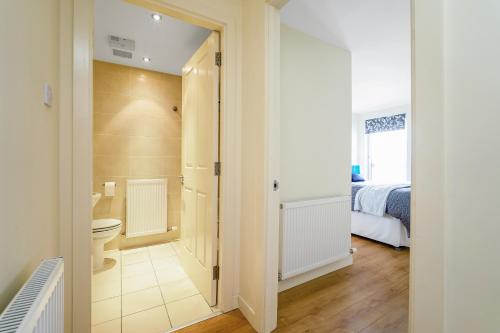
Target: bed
[(388, 219)]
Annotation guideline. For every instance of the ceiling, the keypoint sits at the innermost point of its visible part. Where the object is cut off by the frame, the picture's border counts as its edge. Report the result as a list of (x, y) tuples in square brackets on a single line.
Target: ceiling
[(169, 43), (378, 34)]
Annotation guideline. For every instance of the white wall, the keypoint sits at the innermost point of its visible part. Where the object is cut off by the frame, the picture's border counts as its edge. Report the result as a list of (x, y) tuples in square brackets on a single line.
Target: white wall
[(427, 211), (472, 144), (455, 272), (359, 142), (29, 35), (315, 117), (354, 139)]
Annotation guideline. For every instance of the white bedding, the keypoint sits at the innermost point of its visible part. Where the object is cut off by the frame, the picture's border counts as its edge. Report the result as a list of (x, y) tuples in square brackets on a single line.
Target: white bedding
[(372, 199), (385, 229)]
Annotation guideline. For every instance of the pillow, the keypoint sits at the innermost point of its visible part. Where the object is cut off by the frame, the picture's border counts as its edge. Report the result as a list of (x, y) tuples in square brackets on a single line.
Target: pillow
[(357, 178)]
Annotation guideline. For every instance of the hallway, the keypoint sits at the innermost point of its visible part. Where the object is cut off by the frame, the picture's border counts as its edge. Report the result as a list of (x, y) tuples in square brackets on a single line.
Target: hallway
[(369, 296)]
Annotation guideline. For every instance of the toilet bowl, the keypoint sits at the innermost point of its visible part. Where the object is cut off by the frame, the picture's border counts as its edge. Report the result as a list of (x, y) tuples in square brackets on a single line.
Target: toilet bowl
[(103, 230)]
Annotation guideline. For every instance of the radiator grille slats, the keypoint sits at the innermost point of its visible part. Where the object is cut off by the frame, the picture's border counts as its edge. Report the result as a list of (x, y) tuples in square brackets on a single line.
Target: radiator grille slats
[(313, 234), (146, 207), (39, 305)]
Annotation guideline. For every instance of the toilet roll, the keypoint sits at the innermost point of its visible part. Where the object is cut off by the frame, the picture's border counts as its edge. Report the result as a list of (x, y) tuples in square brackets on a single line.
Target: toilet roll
[(109, 189)]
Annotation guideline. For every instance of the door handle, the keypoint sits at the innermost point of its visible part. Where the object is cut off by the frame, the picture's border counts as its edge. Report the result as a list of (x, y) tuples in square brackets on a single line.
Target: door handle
[(181, 177)]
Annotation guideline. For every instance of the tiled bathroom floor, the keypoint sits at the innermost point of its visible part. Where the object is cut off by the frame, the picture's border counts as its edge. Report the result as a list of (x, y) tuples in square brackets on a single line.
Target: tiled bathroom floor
[(147, 291)]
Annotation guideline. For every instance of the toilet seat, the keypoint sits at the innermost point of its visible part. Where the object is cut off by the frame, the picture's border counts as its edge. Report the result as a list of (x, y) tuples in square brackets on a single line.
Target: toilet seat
[(102, 225)]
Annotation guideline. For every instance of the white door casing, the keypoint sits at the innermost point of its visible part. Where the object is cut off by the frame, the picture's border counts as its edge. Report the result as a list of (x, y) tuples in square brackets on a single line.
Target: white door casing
[(200, 152)]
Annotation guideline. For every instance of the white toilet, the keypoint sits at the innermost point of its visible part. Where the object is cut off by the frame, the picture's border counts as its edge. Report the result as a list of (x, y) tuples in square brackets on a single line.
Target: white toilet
[(103, 230)]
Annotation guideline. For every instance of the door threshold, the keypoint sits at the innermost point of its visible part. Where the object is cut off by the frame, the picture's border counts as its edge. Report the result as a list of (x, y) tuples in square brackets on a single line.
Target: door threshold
[(212, 315)]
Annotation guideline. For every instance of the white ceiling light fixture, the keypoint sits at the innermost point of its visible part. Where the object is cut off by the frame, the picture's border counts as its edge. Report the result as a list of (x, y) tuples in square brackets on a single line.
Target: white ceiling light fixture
[(146, 59), (156, 17)]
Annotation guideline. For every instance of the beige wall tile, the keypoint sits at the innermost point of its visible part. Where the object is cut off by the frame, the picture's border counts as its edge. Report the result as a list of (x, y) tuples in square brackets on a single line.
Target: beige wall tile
[(111, 166), (111, 102), (136, 135), (172, 167), (146, 167), (148, 146), (111, 145), (111, 78)]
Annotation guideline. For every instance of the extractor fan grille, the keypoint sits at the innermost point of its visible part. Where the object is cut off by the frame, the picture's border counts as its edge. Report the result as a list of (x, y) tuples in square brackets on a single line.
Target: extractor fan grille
[(123, 54), (121, 43)]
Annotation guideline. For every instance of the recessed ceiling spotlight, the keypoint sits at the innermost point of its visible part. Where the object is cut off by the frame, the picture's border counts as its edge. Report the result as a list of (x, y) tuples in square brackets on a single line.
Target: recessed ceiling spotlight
[(156, 17), (146, 59)]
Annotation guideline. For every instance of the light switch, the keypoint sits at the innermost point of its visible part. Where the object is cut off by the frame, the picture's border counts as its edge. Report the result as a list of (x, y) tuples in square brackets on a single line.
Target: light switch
[(47, 95)]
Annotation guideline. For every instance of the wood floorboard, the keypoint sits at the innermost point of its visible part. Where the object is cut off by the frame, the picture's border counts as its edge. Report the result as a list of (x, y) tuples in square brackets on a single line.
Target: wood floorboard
[(371, 296)]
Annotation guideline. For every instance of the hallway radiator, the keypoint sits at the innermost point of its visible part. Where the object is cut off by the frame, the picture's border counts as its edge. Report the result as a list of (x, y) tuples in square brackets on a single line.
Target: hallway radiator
[(313, 233), (39, 306), (146, 207)]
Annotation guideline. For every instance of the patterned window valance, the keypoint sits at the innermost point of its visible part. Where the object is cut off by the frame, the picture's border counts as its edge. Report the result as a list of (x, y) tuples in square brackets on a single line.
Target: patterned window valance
[(384, 124)]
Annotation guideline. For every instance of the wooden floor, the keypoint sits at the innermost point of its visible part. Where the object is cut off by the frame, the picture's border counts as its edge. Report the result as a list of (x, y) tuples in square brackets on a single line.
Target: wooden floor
[(369, 296)]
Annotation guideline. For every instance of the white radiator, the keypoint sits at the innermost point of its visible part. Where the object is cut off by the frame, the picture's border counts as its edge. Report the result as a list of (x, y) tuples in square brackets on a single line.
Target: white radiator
[(313, 234), (39, 306), (146, 207)]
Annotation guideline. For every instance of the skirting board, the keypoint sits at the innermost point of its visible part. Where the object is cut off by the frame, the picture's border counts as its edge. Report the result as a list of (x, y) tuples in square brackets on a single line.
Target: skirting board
[(308, 276)]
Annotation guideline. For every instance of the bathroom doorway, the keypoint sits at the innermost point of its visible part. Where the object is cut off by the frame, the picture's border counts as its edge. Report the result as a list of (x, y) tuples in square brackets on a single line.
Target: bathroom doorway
[(156, 166)]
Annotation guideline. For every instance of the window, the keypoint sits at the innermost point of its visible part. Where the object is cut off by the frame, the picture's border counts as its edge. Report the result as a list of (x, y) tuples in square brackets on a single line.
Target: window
[(387, 149)]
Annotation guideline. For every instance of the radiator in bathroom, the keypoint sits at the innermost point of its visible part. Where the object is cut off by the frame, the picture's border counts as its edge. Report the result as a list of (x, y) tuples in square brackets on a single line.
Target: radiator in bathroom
[(39, 305), (313, 233), (146, 207)]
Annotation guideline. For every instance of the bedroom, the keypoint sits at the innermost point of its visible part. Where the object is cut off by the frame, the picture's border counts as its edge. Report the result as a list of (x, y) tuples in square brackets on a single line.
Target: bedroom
[(381, 173), (381, 124)]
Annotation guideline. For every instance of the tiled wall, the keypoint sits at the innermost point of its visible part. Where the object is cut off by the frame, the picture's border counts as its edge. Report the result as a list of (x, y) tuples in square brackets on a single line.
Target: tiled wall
[(136, 135)]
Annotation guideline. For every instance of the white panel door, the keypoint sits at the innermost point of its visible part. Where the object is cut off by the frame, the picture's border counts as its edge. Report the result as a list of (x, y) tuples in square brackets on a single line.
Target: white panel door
[(200, 151)]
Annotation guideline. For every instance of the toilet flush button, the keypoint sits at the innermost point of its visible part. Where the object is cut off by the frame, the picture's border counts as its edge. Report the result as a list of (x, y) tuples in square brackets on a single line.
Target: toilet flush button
[(47, 95)]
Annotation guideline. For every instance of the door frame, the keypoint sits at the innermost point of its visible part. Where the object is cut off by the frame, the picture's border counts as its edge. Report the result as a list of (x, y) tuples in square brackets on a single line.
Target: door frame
[(76, 146)]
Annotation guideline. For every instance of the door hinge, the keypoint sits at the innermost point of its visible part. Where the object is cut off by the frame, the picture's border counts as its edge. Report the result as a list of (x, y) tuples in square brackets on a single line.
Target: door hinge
[(217, 168), (216, 272), (218, 59)]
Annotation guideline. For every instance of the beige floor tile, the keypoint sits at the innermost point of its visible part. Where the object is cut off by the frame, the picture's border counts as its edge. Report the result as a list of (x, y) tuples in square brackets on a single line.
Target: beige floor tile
[(141, 300), (187, 310), (114, 326), (161, 251), (150, 321), (136, 250), (138, 282), (168, 262), (175, 245), (106, 310), (107, 277), (103, 291), (137, 269), (135, 258), (179, 289), (167, 275)]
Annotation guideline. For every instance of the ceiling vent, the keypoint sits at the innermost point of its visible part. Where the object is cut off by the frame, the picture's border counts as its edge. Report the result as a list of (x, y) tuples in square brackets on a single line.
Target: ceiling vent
[(123, 54), (121, 43)]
